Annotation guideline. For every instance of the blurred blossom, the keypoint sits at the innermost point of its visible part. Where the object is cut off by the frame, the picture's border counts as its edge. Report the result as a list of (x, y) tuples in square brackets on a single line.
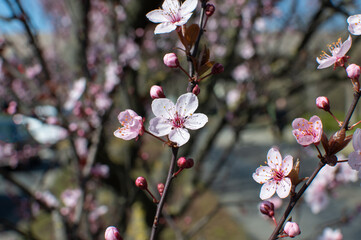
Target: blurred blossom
[(241, 73), (48, 198), (354, 158), (247, 51), (70, 197), (330, 234), (260, 24), (103, 102), (100, 170), (75, 93), (121, 14), (233, 97), (31, 72), (81, 147), (111, 76)]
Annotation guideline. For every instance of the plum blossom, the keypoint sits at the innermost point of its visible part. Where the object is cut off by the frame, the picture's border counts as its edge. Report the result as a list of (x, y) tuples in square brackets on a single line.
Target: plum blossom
[(174, 119), (172, 15), (338, 54), (274, 176), (354, 24), (329, 234), (354, 158), (307, 132), (292, 229), (132, 125)]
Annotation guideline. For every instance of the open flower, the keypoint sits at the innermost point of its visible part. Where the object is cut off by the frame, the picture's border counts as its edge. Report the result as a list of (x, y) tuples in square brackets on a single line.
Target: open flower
[(354, 24), (338, 51), (330, 234), (354, 158), (132, 125), (172, 15), (173, 120), (274, 176), (307, 132)]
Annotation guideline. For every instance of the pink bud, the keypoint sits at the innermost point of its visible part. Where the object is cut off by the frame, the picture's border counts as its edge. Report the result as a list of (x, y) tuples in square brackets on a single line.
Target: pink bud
[(267, 208), (112, 233), (292, 229), (190, 163), (160, 188), (353, 71), (210, 8), (196, 90), (182, 162), (323, 103), (156, 92), (141, 183), (217, 68), (171, 60)]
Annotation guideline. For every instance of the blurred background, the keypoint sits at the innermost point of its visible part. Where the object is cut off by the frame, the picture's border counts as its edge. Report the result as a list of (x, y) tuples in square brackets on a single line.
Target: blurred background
[(67, 68)]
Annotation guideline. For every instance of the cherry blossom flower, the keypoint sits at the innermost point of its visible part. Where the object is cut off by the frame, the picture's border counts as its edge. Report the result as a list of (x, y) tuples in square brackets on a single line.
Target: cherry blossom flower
[(292, 229), (307, 132), (274, 176), (329, 234), (132, 125), (354, 24), (354, 158), (172, 15), (174, 120), (338, 51)]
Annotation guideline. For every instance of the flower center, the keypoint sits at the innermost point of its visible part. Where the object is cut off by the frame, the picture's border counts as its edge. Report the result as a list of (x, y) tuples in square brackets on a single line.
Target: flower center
[(278, 175), (178, 121)]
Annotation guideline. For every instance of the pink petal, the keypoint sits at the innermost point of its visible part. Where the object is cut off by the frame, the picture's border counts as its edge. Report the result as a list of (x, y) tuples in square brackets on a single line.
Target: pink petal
[(124, 134), (157, 16), (356, 140), (160, 126), (196, 121), (274, 159), (267, 190), (284, 187), (186, 104), (287, 164), (179, 136), (345, 47), (126, 115), (262, 174), (163, 107), (354, 160), (164, 27), (171, 6), (325, 63), (188, 6), (300, 124)]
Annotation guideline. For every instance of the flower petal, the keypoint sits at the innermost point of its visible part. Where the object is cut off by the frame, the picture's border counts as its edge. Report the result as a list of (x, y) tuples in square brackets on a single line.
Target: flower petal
[(274, 159), (287, 164), (184, 19), (346, 45), (186, 104), (267, 190), (356, 140), (188, 6), (196, 121), (354, 160), (124, 134), (171, 6), (284, 187), (179, 136), (163, 107), (300, 124), (157, 16), (160, 126), (262, 174), (325, 63), (164, 27)]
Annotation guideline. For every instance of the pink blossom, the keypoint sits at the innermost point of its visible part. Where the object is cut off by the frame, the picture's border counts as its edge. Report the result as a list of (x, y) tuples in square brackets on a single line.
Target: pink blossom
[(354, 158), (156, 92), (171, 60), (274, 176), (70, 197), (132, 125), (338, 51), (174, 119), (323, 103), (172, 15), (112, 233), (292, 229), (354, 24), (307, 132), (329, 234)]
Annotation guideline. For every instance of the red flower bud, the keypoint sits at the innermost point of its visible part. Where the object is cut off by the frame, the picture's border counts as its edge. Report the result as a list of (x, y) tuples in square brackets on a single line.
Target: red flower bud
[(353, 71), (323, 103), (171, 60), (267, 208), (156, 92), (217, 68), (112, 233), (196, 90), (141, 183), (190, 163), (160, 188), (182, 162), (210, 8)]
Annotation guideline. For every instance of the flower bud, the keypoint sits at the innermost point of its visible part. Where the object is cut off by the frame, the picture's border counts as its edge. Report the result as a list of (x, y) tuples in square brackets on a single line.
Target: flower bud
[(323, 103), (267, 208), (210, 8), (190, 163), (353, 71), (171, 60), (182, 162), (112, 233), (196, 90), (141, 183), (160, 188), (217, 68), (292, 229), (156, 92)]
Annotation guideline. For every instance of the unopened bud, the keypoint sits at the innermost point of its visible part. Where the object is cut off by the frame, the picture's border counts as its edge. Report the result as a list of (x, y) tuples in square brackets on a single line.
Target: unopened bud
[(190, 163), (292, 229), (323, 103), (210, 8), (217, 68), (112, 233), (156, 92), (160, 188), (182, 162), (267, 208), (353, 71), (141, 183), (196, 90), (171, 60)]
